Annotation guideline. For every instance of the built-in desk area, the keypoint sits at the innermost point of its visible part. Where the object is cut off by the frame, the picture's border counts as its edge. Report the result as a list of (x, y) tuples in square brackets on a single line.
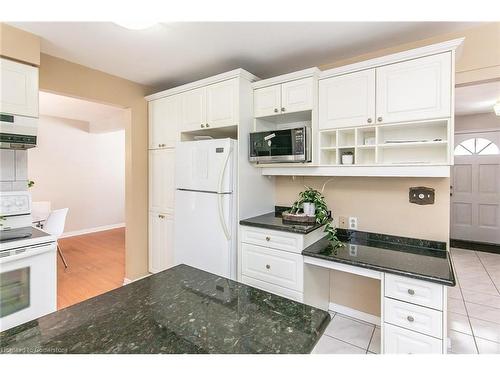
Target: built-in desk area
[(414, 275)]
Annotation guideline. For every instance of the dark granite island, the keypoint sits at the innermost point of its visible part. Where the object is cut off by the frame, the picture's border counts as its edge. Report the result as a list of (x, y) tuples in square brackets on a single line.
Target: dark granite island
[(180, 310)]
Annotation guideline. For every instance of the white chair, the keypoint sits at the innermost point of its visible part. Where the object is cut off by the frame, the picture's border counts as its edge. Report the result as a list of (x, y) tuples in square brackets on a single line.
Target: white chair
[(55, 226)]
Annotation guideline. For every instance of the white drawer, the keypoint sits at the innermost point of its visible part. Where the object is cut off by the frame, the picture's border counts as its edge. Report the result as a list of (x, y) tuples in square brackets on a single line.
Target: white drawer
[(271, 288), (287, 241), (403, 341), (414, 317), (414, 291), (273, 266)]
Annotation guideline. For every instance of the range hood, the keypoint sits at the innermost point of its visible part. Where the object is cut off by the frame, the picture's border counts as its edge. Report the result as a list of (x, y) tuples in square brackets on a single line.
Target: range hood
[(17, 132)]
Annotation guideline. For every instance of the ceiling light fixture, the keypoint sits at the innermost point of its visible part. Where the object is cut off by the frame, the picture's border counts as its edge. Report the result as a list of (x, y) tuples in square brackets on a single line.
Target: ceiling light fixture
[(135, 24), (496, 107)]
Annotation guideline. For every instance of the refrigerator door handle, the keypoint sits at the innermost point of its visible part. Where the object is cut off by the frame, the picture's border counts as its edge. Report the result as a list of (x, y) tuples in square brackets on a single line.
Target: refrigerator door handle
[(219, 197)]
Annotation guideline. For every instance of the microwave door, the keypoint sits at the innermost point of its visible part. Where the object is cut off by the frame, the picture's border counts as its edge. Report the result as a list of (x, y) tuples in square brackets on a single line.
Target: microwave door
[(272, 146)]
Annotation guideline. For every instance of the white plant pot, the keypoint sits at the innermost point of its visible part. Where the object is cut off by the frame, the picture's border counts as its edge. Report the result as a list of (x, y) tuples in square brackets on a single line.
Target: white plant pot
[(309, 209), (347, 159)]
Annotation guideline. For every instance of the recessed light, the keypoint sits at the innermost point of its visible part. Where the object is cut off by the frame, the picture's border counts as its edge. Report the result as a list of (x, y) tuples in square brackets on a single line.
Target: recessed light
[(496, 107), (135, 24)]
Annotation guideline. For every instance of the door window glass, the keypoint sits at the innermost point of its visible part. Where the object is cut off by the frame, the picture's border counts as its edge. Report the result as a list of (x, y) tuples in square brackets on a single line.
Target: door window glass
[(477, 146)]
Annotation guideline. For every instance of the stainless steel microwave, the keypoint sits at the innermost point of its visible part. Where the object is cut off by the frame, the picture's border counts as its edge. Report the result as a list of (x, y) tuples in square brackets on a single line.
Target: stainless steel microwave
[(281, 146)]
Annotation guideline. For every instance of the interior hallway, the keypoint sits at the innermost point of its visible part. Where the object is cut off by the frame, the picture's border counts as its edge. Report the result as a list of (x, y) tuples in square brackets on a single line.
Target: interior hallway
[(96, 265)]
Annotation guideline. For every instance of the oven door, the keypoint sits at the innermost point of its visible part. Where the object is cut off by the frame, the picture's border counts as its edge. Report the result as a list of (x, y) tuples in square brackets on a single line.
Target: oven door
[(28, 284)]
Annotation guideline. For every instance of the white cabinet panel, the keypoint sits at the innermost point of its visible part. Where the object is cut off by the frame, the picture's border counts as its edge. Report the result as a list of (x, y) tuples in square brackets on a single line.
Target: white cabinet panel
[(193, 115), (414, 317), (18, 88), (161, 180), (267, 101), (164, 117), (161, 242), (403, 341), (273, 266), (297, 95), (414, 90), (347, 100), (222, 104), (414, 291)]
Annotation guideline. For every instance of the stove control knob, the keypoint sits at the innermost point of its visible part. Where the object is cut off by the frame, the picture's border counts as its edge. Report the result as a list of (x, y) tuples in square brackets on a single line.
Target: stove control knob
[(19, 203)]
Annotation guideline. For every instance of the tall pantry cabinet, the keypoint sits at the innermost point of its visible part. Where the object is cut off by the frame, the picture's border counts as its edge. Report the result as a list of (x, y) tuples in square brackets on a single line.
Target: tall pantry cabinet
[(164, 115)]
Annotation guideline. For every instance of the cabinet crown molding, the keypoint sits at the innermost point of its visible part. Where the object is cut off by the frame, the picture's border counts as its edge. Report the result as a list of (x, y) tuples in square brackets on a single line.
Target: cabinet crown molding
[(453, 45), (236, 73), (305, 73)]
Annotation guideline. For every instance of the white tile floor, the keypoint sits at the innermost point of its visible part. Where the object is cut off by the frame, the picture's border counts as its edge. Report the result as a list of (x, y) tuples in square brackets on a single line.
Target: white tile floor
[(473, 313)]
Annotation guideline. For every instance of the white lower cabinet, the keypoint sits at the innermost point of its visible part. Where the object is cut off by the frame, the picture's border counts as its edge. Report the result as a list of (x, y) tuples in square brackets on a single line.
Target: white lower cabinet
[(399, 340), (272, 260), (414, 318), (161, 241)]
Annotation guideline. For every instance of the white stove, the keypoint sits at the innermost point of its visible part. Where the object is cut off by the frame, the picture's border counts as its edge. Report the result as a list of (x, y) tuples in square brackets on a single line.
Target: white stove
[(28, 273)]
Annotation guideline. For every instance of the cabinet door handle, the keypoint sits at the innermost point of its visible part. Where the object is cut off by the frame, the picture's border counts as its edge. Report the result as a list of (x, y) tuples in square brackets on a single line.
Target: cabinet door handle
[(410, 318), (268, 266), (379, 119), (206, 125), (369, 120), (202, 125), (161, 216), (275, 110), (411, 292), (283, 109), (268, 238)]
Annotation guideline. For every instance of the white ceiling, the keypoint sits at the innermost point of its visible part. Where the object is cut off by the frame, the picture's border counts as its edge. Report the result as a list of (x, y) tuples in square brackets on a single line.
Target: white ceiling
[(170, 54), (100, 117), (477, 98)]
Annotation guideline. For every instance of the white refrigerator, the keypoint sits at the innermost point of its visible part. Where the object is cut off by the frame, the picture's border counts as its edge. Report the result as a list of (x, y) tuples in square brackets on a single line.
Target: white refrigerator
[(205, 205)]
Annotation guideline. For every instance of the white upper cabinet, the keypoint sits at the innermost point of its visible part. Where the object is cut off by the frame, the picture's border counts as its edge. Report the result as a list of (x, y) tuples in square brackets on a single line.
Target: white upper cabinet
[(194, 110), (415, 90), (288, 97), (164, 116), (347, 100), (18, 88), (222, 104), (267, 101), (161, 242), (297, 95), (161, 180)]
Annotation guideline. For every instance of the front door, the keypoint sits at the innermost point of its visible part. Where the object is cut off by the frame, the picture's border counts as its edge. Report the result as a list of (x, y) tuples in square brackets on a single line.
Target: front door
[(475, 200)]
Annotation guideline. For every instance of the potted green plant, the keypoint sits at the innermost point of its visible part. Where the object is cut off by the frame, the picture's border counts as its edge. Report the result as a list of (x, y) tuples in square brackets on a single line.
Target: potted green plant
[(314, 197)]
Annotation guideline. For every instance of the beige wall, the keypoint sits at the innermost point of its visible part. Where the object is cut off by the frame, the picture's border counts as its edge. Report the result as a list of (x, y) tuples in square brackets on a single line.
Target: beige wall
[(83, 171), (19, 45), (381, 205), (480, 121), (479, 61)]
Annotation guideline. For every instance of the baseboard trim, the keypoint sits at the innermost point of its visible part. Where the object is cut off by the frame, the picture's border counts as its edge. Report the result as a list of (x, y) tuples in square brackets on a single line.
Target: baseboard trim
[(348, 311), (128, 281), (92, 230), (476, 246)]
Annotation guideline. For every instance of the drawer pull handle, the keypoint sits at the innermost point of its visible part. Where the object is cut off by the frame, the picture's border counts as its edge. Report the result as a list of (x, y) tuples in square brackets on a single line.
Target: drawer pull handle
[(411, 292), (268, 238), (268, 266), (410, 318)]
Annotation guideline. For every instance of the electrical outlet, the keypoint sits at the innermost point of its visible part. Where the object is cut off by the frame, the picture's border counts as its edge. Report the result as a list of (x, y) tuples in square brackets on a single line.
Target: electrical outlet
[(353, 222), (343, 222)]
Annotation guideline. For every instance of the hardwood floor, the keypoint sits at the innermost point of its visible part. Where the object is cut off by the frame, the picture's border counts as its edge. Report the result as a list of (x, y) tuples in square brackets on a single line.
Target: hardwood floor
[(96, 264)]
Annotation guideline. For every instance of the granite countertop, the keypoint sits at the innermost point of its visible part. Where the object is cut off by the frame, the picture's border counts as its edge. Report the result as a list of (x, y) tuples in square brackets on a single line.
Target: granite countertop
[(419, 259), (273, 220), (180, 310)]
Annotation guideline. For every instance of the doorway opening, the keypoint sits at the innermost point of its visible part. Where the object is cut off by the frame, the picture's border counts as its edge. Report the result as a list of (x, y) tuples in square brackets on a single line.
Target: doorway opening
[(475, 177), (79, 165)]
